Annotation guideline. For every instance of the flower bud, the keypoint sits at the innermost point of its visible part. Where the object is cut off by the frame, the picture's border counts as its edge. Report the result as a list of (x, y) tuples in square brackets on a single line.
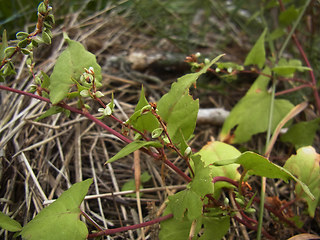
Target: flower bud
[(188, 151), (84, 93), (37, 80), (99, 94), (156, 132), (240, 201)]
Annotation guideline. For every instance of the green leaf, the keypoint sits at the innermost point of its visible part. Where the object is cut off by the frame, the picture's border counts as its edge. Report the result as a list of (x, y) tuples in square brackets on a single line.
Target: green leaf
[(60, 220), (46, 80), (216, 151), (215, 228), (257, 55), (9, 51), (256, 164), (25, 51), (131, 184), (302, 134), (70, 65), (3, 45), (202, 181), (277, 33), (42, 8), (145, 177), (182, 120), (288, 68), (229, 66), (156, 132), (22, 35), (143, 121), (305, 165), (23, 43), (186, 201), (177, 229), (131, 147), (46, 38), (288, 16), (250, 115), (9, 224), (178, 109), (51, 111), (179, 89)]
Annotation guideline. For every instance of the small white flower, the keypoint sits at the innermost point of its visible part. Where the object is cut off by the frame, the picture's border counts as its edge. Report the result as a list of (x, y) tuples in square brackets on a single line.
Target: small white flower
[(91, 70)]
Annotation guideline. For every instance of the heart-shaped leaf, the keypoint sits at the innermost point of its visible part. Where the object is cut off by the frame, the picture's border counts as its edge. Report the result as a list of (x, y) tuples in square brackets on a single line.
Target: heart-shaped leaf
[(305, 165), (216, 151), (60, 220), (251, 114), (302, 134)]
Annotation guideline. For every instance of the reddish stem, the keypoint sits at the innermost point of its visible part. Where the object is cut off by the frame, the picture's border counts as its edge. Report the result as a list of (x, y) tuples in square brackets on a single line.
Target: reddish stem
[(224, 179), (313, 78), (127, 228), (279, 214), (178, 170), (294, 89), (98, 122), (265, 233), (305, 58)]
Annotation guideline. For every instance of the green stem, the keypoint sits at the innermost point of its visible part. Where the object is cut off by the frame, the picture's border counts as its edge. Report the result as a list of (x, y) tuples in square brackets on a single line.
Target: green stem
[(263, 179), (285, 43)]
